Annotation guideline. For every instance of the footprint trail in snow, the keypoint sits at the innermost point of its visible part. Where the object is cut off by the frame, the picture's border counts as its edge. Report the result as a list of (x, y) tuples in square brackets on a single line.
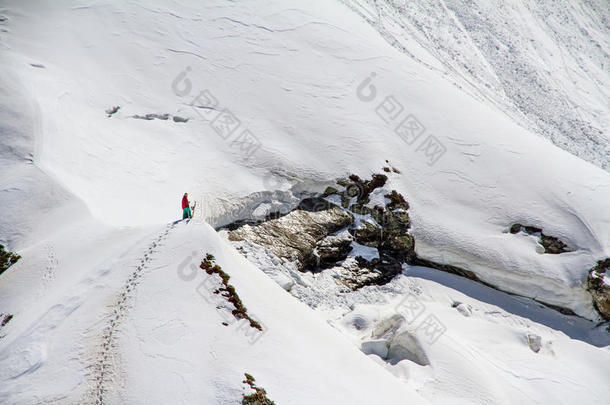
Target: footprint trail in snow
[(105, 368)]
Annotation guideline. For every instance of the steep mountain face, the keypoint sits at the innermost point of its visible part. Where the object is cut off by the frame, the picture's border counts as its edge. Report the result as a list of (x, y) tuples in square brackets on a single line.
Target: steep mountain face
[(543, 63), (357, 157)]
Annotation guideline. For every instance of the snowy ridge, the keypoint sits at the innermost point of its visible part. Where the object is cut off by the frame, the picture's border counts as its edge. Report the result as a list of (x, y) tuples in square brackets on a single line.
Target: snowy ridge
[(102, 371)]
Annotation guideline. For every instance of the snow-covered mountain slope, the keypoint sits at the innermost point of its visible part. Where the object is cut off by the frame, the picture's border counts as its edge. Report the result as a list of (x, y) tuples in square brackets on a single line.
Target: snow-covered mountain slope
[(544, 63), (317, 122), (170, 345), (278, 97), (31, 198)]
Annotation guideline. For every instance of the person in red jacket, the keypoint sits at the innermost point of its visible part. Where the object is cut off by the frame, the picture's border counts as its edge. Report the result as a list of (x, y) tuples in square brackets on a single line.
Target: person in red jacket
[(186, 207)]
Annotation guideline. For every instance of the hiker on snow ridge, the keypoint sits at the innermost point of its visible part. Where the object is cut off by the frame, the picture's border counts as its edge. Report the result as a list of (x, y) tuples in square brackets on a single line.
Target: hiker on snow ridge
[(186, 207)]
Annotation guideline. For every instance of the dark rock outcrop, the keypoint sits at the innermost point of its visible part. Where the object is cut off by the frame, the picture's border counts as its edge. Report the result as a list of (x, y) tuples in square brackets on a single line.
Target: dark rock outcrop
[(113, 110), (162, 117), (551, 244), (258, 397), (358, 189), (367, 234), (599, 289), (332, 249), (309, 237), (7, 259), (5, 319), (396, 243), (148, 117)]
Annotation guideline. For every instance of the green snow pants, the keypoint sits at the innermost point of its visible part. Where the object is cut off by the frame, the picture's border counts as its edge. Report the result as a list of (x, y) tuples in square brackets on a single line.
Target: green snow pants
[(186, 213)]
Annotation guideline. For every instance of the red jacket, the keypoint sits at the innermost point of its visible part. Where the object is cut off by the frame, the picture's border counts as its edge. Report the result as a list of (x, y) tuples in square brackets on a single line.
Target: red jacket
[(185, 202)]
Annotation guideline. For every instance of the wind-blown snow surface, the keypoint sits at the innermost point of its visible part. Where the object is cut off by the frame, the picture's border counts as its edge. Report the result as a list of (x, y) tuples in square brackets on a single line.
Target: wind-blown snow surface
[(545, 63), (87, 193)]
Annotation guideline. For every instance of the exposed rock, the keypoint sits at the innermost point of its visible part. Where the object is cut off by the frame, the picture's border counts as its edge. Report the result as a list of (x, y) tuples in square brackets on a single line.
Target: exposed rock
[(360, 209), (315, 204), (295, 235), (7, 259), (366, 187), (358, 272), (599, 287), (333, 248), (463, 309), (179, 119), (358, 189), (228, 291), (390, 234), (551, 244), (396, 243), (391, 168), (329, 191), (112, 110), (163, 117), (149, 117), (258, 397), (396, 201), (305, 235), (367, 234), (515, 228), (5, 319)]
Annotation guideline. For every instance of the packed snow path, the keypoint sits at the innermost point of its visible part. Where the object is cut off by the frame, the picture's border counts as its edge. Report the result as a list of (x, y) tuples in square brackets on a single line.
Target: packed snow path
[(104, 370)]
